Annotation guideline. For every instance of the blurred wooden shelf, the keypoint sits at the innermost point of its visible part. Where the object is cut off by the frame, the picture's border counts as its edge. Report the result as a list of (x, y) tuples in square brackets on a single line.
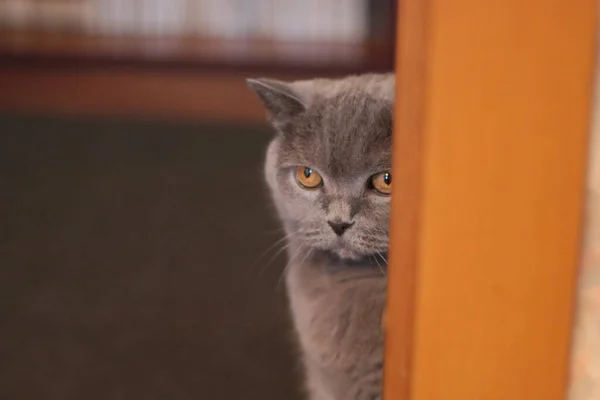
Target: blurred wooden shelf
[(63, 49), (177, 78)]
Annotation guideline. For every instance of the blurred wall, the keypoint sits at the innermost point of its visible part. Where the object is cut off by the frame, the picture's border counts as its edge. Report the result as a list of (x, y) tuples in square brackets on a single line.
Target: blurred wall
[(585, 369)]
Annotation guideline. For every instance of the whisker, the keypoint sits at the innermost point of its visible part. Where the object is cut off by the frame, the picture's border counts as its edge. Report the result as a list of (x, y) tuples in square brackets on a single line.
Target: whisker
[(382, 257), (271, 247), (292, 260), (273, 258), (379, 265), (295, 254), (288, 264), (306, 256), (274, 230)]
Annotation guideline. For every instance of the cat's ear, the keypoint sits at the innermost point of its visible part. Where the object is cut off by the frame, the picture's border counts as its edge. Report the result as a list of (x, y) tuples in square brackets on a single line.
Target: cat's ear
[(281, 99)]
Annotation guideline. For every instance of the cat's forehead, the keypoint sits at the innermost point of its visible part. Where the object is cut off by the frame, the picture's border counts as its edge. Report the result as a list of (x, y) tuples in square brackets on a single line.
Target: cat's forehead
[(349, 133)]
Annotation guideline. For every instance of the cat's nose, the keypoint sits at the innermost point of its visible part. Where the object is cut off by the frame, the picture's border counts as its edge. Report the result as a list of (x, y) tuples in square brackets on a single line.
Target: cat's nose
[(339, 227)]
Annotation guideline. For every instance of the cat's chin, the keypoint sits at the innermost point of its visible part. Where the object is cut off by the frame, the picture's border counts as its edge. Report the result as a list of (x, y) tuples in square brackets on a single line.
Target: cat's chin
[(348, 254)]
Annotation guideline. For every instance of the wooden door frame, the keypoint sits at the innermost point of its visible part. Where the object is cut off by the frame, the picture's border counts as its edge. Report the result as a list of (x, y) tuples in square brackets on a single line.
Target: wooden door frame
[(490, 147)]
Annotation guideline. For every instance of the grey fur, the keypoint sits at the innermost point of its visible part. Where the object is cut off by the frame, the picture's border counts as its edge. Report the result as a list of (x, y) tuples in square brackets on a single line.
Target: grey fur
[(336, 285)]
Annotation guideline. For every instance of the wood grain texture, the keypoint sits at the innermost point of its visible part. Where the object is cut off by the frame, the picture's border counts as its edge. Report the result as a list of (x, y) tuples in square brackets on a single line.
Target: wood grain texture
[(486, 234)]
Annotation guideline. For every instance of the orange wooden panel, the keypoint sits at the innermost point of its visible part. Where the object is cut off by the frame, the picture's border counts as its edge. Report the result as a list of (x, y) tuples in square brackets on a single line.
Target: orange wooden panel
[(493, 107), (411, 61)]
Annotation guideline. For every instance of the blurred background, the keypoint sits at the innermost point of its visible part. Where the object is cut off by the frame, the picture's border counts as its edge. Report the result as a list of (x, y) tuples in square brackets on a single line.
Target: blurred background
[(133, 215)]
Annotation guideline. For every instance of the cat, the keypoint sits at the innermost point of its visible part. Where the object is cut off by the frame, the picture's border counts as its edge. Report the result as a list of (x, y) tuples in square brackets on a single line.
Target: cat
[(328, 170)]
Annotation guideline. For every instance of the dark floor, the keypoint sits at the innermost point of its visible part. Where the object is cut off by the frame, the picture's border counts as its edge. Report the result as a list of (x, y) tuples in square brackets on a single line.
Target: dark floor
[(126, 252)]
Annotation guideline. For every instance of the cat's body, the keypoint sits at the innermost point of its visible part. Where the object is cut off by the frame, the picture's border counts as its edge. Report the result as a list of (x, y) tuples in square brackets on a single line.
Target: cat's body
[(325, 169), (337, 313)]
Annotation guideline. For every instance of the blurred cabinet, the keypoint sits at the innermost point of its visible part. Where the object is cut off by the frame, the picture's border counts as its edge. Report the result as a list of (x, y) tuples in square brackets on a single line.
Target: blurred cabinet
[(315, 35), (179, 58)]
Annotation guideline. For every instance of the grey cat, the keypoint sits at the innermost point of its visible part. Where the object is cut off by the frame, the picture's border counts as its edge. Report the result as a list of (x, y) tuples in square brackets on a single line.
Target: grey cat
[(328, 168)]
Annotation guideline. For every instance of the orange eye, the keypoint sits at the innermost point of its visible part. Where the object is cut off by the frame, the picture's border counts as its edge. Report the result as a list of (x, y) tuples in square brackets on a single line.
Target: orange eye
[(308, 178), (382, 182)]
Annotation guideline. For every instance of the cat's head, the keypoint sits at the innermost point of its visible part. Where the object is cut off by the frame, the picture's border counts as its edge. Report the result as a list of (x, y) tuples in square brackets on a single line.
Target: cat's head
[(329, 165)]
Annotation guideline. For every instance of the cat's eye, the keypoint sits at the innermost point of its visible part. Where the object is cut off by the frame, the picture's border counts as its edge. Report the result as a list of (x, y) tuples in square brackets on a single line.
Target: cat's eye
[(382, 182), (308, 177)]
